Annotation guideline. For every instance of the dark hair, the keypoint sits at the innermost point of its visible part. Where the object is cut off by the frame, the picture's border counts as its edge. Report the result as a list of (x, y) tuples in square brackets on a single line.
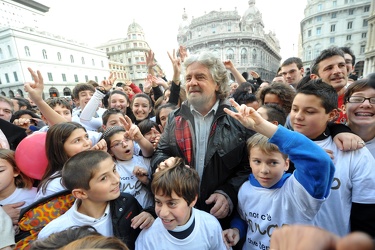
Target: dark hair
[(292, 60), (146, 125), (327, 53), (109, 132), (281, 90), (143, 95), (347, 50), (62, 101), (275, 113), (21, 112), (182, 180), (23, 102), (325, 92), (80, 168), (60, 239), (358, 86), (244, 98), (56, 155), (108, 113), (81, 87), (167, 105)]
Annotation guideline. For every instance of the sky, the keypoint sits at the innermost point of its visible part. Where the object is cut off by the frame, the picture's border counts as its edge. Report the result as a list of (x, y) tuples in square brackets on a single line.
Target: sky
[(95, 22)]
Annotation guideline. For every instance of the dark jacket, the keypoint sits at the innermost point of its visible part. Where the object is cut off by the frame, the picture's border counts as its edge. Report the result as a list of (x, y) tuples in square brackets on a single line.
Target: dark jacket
[(123, 210), (226, 165)]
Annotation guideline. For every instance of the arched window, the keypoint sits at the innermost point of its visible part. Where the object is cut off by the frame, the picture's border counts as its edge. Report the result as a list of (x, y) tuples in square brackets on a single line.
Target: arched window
[(254, 54), (1, 54), (44, 54), (243, 56), (230, 54), (59, 56), (83, 60), (67, 91), (317, 50), (53, 92), (71, 59), (27, 51)]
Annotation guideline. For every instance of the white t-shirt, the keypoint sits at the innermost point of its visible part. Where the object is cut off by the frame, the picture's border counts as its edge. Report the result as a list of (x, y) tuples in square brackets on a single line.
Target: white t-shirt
[(370, 145), (74, 218), (20, 194), (354, 181), (266, 209), (129, 182), (53, 187), (94, 124), (205, 235)]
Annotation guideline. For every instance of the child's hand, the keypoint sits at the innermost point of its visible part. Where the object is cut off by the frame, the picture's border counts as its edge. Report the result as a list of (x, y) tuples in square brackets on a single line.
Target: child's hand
[(13, 210), (231, 237), (330, 153), (141, 174), (142, 220), (166, 164), (348, 141), (35, 89), (101, 145), (247, 116)]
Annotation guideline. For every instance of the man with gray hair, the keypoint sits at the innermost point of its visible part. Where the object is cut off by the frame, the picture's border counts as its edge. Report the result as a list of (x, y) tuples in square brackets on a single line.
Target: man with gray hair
[(208, 139)]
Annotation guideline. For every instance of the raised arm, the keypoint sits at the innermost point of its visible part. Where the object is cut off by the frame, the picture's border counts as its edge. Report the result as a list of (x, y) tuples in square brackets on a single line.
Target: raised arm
[(35, 91), (237, 75)]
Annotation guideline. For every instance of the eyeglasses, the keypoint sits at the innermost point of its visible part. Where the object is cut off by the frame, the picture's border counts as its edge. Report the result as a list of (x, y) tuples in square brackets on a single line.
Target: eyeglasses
[(360, 99), (120, 143)]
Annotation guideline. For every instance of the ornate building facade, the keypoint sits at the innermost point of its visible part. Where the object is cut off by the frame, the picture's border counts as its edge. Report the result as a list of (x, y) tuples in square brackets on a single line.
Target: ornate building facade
[(370, 46), (128, 54), (63, 62), (342, 23), (240, 39)]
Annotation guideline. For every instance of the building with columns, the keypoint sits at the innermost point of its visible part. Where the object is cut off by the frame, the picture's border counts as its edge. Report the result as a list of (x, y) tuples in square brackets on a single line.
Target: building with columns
[(241, 39), (129, 54), (342, 23), (63, 62), (370, 46)]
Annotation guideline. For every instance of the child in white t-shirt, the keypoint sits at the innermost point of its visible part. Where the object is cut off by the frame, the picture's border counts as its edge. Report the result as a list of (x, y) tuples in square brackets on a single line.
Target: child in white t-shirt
[(179, 225)]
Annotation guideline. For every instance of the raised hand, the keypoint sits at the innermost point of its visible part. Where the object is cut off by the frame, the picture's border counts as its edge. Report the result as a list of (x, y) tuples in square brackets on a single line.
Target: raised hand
[(108, 84), (35, 89)]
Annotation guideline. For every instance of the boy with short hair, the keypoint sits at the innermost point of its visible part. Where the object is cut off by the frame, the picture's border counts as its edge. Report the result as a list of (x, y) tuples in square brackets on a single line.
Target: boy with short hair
[(352, 199), (99, 203), (271, 197), (179, 225)]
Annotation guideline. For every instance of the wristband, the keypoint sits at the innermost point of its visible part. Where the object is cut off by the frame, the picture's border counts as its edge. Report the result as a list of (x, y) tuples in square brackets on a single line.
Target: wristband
[(102, 90)]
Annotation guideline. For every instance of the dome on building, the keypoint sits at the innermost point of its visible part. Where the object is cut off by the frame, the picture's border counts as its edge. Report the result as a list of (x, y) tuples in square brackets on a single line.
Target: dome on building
[(252, 19), (185, 22), (135, 28)]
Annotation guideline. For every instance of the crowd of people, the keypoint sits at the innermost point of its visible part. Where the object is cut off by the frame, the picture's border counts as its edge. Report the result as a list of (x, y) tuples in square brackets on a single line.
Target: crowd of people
[(208, 160)]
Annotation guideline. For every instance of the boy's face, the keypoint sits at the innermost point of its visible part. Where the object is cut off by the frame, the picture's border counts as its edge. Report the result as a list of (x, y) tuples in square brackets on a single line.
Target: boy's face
[(120, 147), (84, 97), (173, 211), (113, 120), (308, 116), (267, 169), (105, 184), (64, 112), (77, 142)]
